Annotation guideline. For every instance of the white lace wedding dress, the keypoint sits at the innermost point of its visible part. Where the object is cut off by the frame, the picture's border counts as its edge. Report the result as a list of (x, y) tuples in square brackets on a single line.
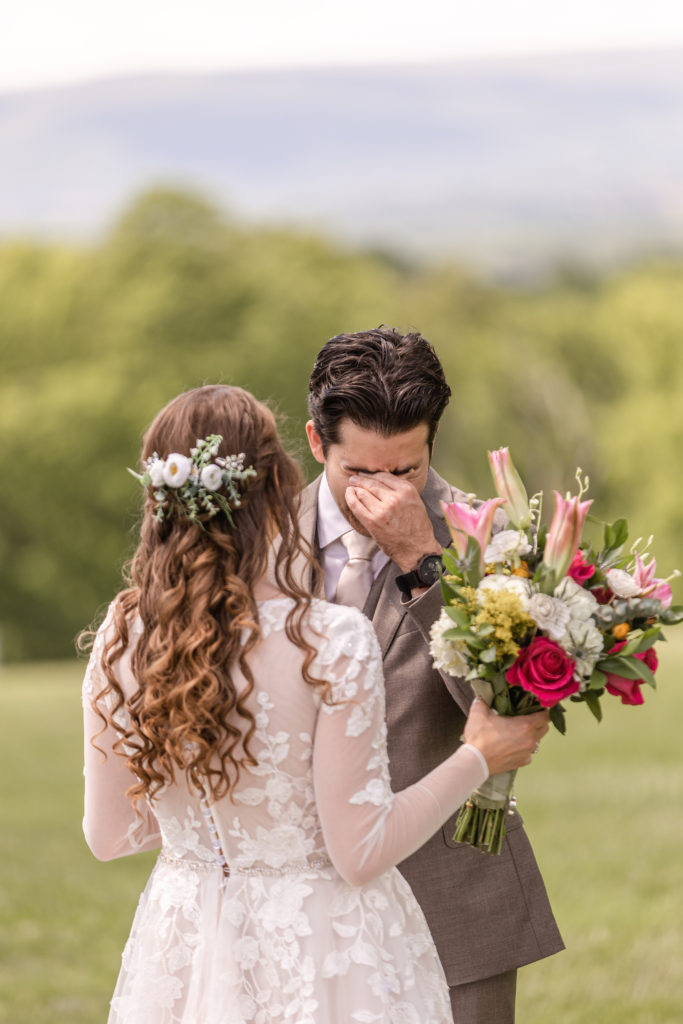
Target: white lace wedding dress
[(313, 924)]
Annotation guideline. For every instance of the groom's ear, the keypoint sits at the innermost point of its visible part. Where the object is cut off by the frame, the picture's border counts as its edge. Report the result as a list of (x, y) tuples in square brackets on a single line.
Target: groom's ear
[(315, 442)]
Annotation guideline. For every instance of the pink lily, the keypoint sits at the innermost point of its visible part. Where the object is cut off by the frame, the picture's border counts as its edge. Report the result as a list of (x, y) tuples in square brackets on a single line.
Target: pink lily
[(509, 486), (464, 521), (649, 585), (565, 532)]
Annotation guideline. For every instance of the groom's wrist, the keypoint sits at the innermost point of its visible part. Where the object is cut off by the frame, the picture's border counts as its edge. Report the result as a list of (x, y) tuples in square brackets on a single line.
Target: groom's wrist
[(425, 573)]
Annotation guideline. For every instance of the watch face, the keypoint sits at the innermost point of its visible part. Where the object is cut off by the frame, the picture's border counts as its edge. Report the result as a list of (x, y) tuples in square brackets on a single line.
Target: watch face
[(430, 568)]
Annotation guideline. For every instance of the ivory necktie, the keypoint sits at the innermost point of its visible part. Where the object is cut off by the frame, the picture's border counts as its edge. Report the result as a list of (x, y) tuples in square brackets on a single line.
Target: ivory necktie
[(356, 576)]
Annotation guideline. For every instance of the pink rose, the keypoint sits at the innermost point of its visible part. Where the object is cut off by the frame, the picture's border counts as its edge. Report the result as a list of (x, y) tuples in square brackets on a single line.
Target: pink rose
[(629, 689), (580, 570), (545, 670)]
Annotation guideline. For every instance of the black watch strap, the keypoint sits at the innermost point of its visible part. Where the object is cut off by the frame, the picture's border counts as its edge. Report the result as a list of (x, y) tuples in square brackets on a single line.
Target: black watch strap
[(426, 573)]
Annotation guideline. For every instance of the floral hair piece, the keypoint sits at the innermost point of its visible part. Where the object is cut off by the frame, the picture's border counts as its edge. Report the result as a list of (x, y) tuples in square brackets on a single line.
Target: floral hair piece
[(191, 484)]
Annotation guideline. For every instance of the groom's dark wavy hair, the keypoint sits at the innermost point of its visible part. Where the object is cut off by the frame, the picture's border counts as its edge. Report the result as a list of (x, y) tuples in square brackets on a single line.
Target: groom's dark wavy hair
[(381, 380)]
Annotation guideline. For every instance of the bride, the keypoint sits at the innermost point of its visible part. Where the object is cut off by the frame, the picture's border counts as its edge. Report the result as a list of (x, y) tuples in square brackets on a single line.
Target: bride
[(238, 724)]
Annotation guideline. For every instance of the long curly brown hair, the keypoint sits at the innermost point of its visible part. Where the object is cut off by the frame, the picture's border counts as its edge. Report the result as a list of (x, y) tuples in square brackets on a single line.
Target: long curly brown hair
[(192, 587)]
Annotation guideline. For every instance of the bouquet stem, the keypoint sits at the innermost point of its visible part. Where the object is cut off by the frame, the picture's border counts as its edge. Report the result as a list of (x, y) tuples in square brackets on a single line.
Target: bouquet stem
[(481, 822)]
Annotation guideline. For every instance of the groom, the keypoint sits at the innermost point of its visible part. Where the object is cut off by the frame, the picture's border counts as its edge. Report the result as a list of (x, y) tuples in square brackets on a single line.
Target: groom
[(375, 401)]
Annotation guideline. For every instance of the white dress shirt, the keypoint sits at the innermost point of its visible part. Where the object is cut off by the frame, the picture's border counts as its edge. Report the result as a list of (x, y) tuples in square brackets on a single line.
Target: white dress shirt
[(333, 556)]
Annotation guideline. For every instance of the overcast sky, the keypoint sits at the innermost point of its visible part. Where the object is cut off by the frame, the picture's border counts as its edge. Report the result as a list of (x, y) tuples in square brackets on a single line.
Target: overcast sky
[(54, 41)]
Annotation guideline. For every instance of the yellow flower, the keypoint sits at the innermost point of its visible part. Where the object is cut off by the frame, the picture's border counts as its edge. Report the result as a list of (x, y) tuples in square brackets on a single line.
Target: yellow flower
[(512, 625), (621, 630)]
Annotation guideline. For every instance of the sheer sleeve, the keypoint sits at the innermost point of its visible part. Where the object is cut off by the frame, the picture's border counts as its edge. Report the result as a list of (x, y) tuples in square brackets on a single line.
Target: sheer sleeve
[(367, 828), (111, 826)]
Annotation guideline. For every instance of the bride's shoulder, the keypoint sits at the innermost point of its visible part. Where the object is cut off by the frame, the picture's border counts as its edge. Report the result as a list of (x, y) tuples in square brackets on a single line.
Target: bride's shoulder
[(338, 615), (344, 629)]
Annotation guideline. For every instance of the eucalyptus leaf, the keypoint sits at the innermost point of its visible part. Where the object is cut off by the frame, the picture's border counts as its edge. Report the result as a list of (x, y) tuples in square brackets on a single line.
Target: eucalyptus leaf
[(672, 615)]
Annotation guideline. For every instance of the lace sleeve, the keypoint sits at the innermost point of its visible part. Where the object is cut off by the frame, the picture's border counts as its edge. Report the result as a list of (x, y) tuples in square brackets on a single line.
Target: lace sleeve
[(111, 826), (367, 827)]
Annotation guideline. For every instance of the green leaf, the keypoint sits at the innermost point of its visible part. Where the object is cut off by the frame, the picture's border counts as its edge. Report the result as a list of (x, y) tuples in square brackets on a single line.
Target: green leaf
[(598, 680), (458, 614), (642, 642), (456, 633), (450, 562), (557, 717), (486, 629), (620, 528), (488, 656), (448, 592), (628, 668), (487, 672), (593, 702)]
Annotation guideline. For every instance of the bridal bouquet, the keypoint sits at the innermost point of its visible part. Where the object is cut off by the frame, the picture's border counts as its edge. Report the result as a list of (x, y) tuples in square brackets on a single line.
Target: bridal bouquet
[(533, 617)]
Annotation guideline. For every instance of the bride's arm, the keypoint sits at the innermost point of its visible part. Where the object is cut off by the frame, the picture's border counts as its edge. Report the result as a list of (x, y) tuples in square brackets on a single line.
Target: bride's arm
[(111, 826), (367, 828)]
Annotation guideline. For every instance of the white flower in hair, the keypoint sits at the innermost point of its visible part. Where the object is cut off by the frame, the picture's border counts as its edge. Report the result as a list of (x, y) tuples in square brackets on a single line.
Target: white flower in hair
[(176, 470), (156, 473), (211, 477), (190, 487)]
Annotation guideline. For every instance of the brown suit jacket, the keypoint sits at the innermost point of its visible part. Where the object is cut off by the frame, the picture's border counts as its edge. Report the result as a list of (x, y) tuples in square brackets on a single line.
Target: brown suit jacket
[(487, 914)]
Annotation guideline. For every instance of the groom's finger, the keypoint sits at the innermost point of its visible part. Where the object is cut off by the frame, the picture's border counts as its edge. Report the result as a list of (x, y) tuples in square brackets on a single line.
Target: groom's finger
[(377, 482)]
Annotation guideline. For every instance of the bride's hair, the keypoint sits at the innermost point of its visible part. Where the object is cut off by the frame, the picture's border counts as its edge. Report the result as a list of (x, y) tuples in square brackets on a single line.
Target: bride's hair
[(192, 586)]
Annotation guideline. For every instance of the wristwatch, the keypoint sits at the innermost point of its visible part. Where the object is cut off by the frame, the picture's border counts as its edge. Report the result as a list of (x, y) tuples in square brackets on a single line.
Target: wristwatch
[(427, 572)]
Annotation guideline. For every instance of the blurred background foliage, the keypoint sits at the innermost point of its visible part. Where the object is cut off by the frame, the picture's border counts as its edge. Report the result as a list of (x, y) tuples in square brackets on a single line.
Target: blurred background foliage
[(579, 369)]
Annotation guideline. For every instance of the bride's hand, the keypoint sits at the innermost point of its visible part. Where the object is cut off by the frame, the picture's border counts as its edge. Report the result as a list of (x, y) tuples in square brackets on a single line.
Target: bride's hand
[(506, 743)]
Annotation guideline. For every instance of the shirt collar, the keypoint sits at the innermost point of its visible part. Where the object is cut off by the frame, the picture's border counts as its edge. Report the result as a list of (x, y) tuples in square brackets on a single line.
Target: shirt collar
[(331, 523)]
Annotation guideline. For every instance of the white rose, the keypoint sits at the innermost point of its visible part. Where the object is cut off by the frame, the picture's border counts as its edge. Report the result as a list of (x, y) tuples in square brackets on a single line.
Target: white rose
[(622, 583), (176, 470), (580, 602), (512, 584), (156, 473), (507, 545), (550, 614), (448, 655), (211, 477)]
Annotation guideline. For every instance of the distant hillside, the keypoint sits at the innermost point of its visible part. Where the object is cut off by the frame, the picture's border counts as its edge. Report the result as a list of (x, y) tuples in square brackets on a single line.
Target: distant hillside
[(502, 162)]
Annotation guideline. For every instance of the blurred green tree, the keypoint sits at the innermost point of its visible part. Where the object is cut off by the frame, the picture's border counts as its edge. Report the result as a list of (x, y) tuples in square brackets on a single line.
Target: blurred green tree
[(95, 339)]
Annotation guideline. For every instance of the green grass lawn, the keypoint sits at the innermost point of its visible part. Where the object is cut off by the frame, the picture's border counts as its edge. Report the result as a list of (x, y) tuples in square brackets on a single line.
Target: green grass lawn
[(603, 807)]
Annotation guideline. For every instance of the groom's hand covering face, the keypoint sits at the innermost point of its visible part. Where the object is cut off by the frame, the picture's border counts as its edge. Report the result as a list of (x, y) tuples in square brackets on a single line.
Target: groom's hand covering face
[(376, 482)]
